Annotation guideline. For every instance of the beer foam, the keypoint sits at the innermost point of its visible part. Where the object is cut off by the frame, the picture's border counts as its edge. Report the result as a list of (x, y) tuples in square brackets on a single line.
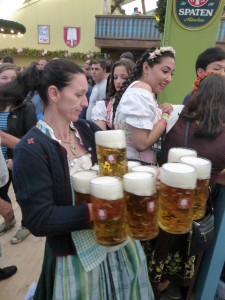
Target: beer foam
[(139, 183), (107, 187), (81, 181), (148, 169), (131, 164), (202, 165), (111, 139), (178, 175), (175, 153)]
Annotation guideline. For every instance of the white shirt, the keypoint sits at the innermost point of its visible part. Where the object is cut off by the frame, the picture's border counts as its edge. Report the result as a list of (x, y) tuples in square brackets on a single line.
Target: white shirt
[(138, 108), (98, 93)]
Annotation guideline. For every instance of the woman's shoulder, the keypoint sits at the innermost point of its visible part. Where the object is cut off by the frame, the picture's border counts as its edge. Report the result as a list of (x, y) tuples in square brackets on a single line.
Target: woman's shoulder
[(32, 134), (141, 85), (82, 124)]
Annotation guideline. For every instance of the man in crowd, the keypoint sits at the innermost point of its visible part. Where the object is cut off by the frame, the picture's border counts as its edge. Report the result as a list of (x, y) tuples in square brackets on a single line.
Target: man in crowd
[(98, 73), (210, 60)]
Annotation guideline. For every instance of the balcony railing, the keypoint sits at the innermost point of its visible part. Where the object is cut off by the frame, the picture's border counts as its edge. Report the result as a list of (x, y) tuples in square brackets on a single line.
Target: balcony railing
[(126, 27), (133, 31), (110, 30)]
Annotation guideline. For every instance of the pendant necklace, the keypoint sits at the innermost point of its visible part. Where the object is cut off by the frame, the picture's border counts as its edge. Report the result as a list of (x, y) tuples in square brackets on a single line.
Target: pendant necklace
[(73, 149)]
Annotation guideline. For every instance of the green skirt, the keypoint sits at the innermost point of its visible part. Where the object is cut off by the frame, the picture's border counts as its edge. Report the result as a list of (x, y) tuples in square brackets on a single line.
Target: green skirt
[(121, 276)]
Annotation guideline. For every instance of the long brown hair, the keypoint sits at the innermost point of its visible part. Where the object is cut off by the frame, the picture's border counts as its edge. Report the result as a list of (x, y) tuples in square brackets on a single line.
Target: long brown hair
[(207, 106)]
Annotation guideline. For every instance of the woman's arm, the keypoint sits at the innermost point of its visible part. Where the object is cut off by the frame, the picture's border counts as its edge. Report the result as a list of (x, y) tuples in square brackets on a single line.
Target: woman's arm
[(101, 124), (6, 210), (99, 114), (144, 138), (8, 140)]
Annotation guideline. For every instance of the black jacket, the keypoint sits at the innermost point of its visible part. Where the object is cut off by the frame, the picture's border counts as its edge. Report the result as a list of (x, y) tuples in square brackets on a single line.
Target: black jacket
[(43, 190), (20, 120)]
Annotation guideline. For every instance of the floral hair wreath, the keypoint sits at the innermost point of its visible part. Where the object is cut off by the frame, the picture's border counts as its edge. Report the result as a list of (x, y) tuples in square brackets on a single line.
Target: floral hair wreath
[(200, 78), (159, 51)]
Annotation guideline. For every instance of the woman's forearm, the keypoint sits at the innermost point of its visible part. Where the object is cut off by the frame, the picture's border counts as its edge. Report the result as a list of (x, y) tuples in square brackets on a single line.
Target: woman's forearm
[(8, 140), (143, 138), (101, 124)]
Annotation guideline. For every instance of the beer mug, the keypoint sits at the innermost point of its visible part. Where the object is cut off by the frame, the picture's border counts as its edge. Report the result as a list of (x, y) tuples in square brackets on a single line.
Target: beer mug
[(149, 169), (109, 213), (131, 164), (203, 167), (176, 196), (81, 185), (141, 205), (111, 152), (175, 153)]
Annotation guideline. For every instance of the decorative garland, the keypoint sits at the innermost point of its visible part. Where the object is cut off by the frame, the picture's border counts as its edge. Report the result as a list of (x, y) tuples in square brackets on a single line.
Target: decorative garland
[(50, 54), (6, 27), (160, 50), (201, 77)]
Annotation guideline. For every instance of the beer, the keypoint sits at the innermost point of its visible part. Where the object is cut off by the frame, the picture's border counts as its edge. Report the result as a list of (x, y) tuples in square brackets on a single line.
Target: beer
[(176, 196), (131, 164), (141, 205), (111, 152), (81, 185), (109, 213), (203, 167), (175, 153)]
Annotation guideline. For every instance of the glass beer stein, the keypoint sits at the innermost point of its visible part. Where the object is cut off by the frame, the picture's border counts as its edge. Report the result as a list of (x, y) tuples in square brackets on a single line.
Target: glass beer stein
[(176, 196), (111, 152), (109, 213), (131, 164), (81, 185), (148, 169), (176, 152), (203, 167), (141, 205)]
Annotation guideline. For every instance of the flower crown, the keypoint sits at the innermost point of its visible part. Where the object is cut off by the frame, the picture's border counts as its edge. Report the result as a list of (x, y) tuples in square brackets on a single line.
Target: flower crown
[(159, 51), (200, 78)]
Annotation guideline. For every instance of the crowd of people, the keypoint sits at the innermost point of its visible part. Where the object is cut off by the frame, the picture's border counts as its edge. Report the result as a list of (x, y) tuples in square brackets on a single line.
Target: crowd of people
[(59, 106)]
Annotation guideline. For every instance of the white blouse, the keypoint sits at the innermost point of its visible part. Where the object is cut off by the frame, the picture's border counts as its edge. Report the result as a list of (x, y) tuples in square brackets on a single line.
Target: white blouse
[(138, 108), (102, 113)]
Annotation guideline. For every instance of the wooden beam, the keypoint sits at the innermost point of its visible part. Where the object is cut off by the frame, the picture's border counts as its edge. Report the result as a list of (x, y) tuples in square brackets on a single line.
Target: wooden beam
[(143, 7)]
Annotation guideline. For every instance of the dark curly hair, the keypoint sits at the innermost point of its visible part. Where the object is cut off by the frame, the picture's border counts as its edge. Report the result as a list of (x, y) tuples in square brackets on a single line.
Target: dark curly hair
[(138, 71), (112, 92)]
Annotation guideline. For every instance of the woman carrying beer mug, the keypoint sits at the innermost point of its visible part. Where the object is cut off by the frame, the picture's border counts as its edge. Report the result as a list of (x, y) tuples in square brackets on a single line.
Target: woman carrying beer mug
[(75, 266), (137, 110), (205, 114)]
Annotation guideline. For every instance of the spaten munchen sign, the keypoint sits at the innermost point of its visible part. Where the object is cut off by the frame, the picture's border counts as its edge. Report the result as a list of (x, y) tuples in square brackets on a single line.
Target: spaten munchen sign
[(196, 14)]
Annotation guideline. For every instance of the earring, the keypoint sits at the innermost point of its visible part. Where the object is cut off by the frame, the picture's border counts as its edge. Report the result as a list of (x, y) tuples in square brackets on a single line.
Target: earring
[(146, 75)]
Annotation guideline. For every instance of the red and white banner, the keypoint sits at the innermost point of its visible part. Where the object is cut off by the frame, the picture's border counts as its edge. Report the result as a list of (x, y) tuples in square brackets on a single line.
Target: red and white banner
[(72, 36)]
